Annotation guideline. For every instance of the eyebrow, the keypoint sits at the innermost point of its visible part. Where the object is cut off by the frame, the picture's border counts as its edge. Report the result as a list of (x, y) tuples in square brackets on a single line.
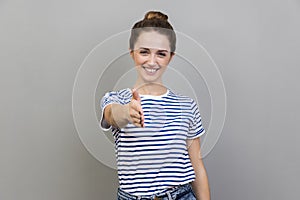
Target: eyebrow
[(160, 50)]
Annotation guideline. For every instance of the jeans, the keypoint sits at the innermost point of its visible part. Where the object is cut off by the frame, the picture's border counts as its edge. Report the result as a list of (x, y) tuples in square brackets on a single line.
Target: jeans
[(183, 192)]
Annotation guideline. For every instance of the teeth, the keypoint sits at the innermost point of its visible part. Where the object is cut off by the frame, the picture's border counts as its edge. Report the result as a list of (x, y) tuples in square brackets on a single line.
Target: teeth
[(150, 70)]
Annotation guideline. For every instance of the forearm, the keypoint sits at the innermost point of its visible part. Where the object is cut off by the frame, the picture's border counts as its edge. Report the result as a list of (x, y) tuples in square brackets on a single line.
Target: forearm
[(116, 115), (200, 185)]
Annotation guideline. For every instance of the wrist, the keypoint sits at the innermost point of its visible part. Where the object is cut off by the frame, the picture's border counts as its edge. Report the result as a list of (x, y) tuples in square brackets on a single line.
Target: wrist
[(126, 113)]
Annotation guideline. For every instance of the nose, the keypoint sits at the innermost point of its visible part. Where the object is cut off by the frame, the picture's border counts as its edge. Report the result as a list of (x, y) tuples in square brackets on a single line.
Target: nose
[(152, 59)]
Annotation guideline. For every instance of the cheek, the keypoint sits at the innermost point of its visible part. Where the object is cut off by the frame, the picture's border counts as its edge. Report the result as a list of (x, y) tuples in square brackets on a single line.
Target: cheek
[(164, 62), (139, 60)]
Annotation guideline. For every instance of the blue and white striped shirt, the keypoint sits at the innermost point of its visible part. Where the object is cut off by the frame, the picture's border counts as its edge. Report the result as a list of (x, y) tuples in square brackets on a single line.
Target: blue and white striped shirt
[(154, 158)]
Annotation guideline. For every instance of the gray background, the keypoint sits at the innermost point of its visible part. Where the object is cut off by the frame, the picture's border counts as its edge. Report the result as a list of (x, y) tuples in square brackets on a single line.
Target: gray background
[(255, 44)]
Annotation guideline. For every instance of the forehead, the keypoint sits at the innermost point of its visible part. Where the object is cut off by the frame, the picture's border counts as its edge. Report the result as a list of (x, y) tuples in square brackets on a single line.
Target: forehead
[(152, 40)]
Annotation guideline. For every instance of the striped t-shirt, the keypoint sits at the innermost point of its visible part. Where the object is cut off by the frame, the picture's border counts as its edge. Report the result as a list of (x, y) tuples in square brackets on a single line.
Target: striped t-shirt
[(154, 158)]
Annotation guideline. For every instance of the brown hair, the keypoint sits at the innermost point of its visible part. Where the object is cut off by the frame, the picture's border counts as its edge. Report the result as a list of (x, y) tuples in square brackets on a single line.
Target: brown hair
[(153, 21)]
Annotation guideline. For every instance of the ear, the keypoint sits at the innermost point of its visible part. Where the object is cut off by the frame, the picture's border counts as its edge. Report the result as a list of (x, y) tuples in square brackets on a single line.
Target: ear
[(131, 53), (172, 55)]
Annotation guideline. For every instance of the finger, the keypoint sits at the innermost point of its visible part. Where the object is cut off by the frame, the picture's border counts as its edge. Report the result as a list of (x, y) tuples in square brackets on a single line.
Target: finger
[(137, 125), (137, 122), (135, 95), (137, 118), (141, 114), (136, 106), (142, 120)]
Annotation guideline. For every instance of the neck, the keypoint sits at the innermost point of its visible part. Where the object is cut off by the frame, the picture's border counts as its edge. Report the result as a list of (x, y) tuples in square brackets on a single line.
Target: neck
[(153, 88)]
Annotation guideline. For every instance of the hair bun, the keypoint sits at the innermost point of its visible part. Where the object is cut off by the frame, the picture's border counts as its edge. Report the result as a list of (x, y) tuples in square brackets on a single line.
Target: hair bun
[(155, 15)]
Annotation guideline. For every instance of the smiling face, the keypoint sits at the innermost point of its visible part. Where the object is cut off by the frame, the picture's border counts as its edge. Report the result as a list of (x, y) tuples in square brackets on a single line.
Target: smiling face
[(151, 55)]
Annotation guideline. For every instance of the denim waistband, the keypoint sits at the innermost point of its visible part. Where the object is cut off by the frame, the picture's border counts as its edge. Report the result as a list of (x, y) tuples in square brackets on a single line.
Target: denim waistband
[(172, 193)]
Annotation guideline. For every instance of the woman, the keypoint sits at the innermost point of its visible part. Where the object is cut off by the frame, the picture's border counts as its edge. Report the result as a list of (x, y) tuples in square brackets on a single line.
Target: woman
[(157, 132)]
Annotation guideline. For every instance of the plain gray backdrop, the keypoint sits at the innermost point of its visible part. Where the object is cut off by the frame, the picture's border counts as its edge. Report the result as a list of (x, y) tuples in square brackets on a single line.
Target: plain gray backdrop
[(255, 44)]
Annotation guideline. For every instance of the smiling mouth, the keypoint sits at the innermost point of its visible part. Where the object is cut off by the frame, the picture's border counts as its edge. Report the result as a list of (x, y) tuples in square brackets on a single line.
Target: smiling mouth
[(150, 70)]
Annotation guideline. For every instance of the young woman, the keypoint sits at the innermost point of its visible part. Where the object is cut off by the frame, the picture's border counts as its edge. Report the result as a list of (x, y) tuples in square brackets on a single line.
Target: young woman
[(157, 131)]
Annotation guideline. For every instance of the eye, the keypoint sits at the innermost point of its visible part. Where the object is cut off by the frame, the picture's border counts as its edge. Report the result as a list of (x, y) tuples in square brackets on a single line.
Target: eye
[(162, 54), (144, 52)]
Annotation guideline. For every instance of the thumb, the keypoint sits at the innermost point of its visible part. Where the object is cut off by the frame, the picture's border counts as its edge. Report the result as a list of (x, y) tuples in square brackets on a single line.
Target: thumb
[(135, 95)]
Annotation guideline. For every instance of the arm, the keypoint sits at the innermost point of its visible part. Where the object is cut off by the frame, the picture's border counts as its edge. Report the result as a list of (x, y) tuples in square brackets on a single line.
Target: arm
[(119, 115), (200, 185), (116, 115)]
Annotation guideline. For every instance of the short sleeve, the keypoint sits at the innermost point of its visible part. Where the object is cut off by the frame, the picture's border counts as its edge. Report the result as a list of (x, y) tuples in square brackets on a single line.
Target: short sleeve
[(114, 97), (196, 128)]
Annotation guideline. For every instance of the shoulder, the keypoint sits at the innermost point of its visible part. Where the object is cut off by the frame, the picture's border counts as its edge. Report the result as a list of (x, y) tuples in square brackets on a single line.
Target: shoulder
[(122, 96), (123, 93), (180, 97)]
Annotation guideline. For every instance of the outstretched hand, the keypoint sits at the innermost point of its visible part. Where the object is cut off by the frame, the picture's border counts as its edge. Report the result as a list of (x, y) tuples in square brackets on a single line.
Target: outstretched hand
[(136, 115)]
